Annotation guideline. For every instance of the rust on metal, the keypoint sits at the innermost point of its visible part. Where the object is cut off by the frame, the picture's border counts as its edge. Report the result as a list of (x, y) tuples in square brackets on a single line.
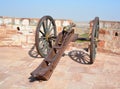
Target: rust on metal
[(46, 68)]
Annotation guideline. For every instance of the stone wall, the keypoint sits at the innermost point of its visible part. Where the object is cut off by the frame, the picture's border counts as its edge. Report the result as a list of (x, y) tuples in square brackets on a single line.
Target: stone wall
[(10, 35), (109, 36), (21, 31)]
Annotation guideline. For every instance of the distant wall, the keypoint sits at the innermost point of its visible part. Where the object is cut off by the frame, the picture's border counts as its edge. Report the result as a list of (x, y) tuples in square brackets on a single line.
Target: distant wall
[(21, 31), (82, 27)]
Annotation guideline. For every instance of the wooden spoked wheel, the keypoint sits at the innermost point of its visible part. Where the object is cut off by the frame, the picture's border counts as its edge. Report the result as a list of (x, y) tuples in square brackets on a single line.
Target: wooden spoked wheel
[(45, 35), (94, 39)]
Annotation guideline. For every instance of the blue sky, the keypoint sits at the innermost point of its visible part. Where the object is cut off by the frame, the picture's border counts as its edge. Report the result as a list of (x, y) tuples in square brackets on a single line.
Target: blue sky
[(77, 10)]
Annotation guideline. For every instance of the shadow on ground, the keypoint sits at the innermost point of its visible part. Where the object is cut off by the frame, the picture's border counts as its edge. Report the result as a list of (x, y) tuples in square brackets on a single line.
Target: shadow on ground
[(33, 79), (33, 52), (79, 56)]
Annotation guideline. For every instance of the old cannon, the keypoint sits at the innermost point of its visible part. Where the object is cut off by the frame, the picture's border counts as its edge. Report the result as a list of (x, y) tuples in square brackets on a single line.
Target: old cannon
[(52, 47)]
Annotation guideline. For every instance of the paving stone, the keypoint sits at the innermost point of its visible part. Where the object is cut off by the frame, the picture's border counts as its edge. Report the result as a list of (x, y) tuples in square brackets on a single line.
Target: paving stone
[(17, 64)]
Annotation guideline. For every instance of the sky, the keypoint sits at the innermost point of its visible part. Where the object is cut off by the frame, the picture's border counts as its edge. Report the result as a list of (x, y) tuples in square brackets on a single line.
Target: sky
[(76, 10)]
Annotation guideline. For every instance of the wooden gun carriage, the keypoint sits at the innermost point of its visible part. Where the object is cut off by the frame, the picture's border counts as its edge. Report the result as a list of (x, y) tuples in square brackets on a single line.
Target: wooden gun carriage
[(52, 47)]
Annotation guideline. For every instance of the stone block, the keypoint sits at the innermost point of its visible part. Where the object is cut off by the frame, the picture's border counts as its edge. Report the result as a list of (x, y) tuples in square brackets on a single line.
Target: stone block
[(101, 43), (102, 31), (31, 39), (2, 32)]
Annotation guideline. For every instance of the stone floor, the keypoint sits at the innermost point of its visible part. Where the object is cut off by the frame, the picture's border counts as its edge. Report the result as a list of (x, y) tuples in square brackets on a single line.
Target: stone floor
[(71, 73)]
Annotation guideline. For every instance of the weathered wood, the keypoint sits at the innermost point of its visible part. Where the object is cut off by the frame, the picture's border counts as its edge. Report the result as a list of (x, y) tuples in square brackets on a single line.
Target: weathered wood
[(46, 68)]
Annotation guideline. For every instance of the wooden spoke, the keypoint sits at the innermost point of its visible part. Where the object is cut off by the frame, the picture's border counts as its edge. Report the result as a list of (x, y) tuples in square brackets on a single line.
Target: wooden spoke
[(46, 26)]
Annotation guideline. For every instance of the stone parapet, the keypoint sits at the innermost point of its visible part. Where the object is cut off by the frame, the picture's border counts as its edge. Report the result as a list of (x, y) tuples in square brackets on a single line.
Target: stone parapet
[(21, 31), (109, 40)]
